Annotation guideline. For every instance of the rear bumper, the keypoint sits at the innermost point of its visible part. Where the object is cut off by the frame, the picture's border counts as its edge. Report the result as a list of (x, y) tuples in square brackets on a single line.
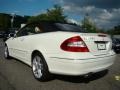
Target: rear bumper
[(66, 66)]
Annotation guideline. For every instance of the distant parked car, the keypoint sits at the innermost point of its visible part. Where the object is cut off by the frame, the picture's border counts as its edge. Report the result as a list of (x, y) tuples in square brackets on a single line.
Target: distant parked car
[(1, 34), (7, 34), (60, 48), (116, 44)]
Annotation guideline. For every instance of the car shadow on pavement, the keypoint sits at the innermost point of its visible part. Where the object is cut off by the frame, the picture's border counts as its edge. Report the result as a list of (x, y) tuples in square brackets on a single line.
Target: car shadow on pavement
[(82, 79)]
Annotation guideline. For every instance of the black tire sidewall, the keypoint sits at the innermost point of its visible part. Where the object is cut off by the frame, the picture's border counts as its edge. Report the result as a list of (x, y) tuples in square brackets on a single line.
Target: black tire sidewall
[(45, 73)]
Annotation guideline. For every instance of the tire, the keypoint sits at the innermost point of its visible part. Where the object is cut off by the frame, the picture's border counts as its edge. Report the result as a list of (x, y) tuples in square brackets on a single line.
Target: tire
[(6, 53), (40, 68)]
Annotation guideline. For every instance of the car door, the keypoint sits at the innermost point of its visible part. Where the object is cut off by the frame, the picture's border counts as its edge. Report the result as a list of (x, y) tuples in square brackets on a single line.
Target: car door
[(20, 46)]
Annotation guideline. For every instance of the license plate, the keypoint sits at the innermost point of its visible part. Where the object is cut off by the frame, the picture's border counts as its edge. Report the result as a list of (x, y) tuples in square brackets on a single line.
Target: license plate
[(101, 46)]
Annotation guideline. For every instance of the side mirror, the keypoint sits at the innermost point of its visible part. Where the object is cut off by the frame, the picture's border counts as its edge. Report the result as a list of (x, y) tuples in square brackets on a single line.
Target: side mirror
[(11, 35)]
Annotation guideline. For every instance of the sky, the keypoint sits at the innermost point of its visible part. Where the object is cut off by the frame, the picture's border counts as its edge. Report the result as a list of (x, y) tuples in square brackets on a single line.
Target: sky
[(25, 7), (104, 13)]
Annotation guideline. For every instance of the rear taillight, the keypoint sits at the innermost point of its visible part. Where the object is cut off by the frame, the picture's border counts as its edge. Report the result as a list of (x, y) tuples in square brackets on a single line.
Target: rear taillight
[(74, 44)]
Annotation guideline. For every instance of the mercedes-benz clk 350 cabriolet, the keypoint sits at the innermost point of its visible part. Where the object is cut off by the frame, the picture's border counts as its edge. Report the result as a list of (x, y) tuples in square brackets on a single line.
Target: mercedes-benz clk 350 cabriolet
[(60, 48)]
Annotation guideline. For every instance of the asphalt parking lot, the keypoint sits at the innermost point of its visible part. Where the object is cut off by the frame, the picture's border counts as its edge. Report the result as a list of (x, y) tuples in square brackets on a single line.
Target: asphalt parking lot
[(15, 75)]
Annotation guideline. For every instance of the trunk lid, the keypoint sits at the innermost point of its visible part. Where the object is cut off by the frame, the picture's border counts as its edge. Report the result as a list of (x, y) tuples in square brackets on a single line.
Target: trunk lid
[(98, 44)]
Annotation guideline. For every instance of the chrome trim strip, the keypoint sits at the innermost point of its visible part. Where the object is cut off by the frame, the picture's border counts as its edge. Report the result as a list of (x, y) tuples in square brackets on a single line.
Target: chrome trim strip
[(82, 59), (18, 49)]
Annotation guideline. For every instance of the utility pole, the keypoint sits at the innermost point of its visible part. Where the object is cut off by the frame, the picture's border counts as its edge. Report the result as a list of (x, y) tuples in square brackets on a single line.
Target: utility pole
[(12, 20)]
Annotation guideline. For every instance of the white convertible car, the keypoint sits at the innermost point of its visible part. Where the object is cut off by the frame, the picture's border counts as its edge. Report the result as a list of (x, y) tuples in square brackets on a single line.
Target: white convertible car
[(60, 49)]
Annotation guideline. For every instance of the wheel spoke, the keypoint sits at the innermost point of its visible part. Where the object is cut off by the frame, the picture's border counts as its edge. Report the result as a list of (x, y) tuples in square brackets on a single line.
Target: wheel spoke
[(39, 73), (6, 52), (37, 66)]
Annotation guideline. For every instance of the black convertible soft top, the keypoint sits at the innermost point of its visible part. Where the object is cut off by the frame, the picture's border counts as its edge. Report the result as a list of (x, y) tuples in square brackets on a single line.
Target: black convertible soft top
[(58, 26)]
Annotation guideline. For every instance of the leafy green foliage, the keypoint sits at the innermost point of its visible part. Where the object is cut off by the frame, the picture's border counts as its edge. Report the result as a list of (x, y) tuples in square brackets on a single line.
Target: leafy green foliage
[(115, 31), (55, 14), (89, 25), (18, 20), (4, 21)]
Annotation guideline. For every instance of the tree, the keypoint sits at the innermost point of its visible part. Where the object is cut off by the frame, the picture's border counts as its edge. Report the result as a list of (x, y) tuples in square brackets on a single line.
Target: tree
[(88, 24), (41, 17), (18, 20), (4, 21), (55, 14), (114, 31), (117, 30)]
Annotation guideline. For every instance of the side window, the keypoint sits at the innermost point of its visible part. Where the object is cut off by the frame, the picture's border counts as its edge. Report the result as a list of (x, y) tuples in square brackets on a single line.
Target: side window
[(30, 29), (27, 30)]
